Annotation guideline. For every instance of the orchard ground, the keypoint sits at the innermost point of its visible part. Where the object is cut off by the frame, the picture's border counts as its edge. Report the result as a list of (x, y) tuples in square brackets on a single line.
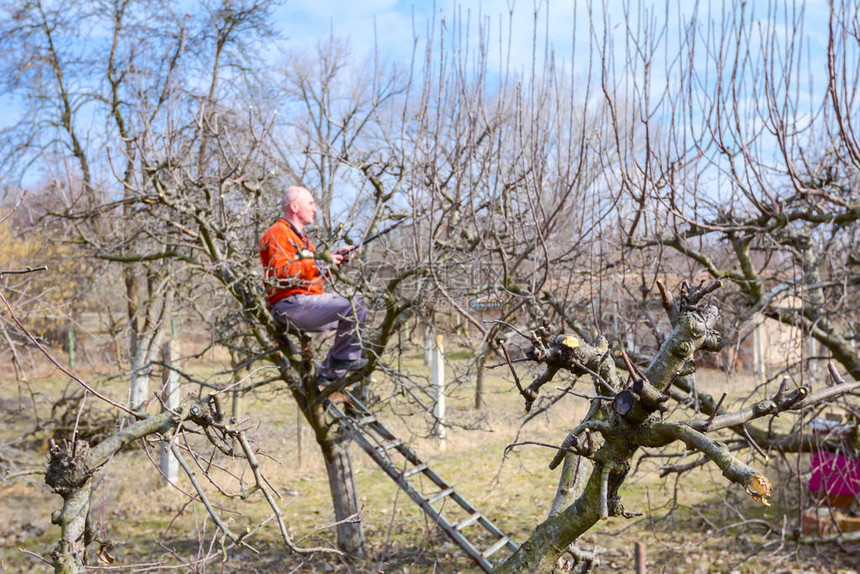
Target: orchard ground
[(695, 523)]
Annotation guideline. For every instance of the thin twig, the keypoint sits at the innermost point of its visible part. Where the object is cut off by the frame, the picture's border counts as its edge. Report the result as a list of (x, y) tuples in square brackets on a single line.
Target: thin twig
[(511, 446), (260, 480), (22, 473), (34, 555), (631, 366), (710, 419), (513, 372), (497, 365), (15, 207), (567, 390), (508, 325), (745, 433), (599, 378), (65, 371), (205, 500), (77, 422), (23, 271)]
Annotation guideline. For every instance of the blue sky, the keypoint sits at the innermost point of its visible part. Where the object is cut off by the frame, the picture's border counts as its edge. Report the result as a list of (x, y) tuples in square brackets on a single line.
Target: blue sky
[(561, 25), (306, 22)]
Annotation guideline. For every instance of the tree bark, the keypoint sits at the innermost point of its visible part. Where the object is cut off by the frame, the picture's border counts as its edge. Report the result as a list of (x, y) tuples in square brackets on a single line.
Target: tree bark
[(344, 496), (480, 371), (70, 477), (549, 540), (571, 483)]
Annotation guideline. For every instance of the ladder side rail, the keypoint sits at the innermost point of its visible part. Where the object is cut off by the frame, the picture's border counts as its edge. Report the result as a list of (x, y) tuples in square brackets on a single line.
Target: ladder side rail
[(386, 434), (359, 434), (465, 504), (483, 520), (417, 497)]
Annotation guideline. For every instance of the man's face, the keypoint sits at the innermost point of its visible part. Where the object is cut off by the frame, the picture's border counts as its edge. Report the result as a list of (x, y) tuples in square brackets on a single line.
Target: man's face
[(304, 207)]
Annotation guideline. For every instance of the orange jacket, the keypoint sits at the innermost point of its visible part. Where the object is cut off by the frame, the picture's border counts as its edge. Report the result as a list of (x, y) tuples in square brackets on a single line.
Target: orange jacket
[(286, 272)]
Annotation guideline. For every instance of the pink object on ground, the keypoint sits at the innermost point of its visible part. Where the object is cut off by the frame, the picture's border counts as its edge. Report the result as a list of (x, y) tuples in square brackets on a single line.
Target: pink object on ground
[(835, 474)]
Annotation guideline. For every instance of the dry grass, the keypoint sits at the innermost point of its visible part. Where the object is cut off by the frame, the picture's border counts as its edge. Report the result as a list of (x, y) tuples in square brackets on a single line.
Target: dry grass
[(150, 523)]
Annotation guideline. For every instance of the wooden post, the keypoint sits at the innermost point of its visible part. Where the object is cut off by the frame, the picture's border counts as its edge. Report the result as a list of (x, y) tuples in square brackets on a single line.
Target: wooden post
[(298, 437), (170, 385), (71, 345), (438, 378), (758, 351), (812, 351), (235, 412), (639, 560)]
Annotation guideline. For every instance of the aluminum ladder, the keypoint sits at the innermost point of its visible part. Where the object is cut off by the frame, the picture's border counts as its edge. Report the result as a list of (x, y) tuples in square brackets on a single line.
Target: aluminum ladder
[(381, 444)]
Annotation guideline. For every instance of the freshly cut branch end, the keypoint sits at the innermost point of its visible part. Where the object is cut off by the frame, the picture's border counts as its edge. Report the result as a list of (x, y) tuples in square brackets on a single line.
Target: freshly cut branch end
[(759, 488), (571, 342)]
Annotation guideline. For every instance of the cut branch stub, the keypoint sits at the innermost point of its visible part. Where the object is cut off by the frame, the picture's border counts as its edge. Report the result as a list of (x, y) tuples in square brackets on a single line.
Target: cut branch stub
[(651, 398), (759, 488), (67, 466), (636, 403), (624, 402), (571, 353)]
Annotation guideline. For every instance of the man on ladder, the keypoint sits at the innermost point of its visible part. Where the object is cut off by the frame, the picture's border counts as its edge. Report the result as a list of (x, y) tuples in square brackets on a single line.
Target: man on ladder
[(294, 286)]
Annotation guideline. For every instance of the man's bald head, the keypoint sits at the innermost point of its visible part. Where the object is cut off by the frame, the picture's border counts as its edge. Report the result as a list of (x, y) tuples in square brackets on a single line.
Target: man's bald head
[(298, 206), (291, 194)]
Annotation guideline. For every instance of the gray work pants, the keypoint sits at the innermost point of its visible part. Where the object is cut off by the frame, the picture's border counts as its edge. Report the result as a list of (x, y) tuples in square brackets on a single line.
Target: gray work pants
[(326, 312)]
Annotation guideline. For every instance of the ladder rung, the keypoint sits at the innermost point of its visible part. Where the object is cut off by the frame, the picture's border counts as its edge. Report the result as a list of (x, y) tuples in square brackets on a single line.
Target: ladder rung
[(389, 445), (440, 495), (366, 420), (495, 547), (415, 470), (471, 519)]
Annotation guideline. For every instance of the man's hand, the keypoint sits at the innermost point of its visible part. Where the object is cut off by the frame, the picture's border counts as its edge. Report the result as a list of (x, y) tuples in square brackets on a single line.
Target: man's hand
[(343, 255)]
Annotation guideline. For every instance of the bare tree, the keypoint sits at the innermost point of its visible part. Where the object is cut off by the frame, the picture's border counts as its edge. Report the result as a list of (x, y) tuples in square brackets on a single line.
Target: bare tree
[(524, 194), (622, 419), (727, 160)]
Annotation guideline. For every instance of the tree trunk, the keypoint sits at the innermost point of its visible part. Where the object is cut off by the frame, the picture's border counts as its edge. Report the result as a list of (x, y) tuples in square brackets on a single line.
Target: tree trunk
[(480, 371), (571, 483), (427, 344), (551, 538), (344, 496), (333, 445), (69, 476), (139, 392)]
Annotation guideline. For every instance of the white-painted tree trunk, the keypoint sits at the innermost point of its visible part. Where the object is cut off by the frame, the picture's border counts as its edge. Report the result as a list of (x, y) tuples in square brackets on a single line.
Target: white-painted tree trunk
[(438, 377), (139, 392), (170, 384), (427, 341)]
